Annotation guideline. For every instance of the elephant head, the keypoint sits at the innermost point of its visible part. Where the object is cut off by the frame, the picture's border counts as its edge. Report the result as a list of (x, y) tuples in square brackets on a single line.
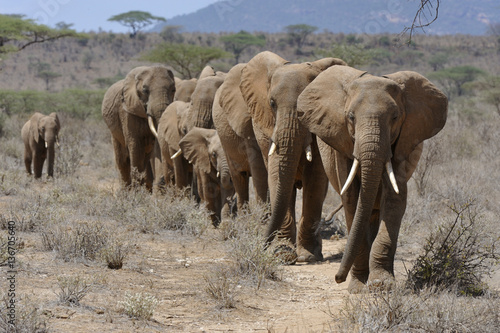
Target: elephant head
[(270, 86), (202, 99), (203, 149), (147, 91), (377, 125), (184, 89)]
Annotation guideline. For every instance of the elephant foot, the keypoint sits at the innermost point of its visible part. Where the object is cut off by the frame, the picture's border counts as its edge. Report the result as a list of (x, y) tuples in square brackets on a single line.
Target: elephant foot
[(380, 280), (286, 254), (357, 286), (304, 255)]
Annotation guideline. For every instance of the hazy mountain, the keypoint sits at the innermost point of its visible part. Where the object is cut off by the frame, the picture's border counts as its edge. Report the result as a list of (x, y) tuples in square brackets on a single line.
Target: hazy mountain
[(348, 16)]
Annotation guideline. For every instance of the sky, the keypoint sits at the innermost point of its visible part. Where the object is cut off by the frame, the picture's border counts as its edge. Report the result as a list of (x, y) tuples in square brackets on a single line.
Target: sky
[(92, 15)]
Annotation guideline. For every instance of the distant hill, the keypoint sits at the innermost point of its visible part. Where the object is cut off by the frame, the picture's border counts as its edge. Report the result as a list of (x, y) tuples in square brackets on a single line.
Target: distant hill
[(348, 16)]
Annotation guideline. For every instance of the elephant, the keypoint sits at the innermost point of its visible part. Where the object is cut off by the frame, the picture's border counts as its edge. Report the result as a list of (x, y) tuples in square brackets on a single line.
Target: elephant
[(203, 149), (375, 127), (40, 133), (270, 86), (184, 89), (130, 108), (170, 132), (202, 99), (234, 126)]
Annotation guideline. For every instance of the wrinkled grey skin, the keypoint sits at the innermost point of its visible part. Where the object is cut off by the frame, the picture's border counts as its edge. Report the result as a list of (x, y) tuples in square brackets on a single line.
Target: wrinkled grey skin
[(40, 134), (144, 93)]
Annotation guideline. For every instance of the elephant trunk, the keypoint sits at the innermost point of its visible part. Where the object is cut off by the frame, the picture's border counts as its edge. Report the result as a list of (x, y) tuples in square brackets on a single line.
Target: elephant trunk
[(50, 157), (225, 176), (203, 117), (155, 108), (283, 164), (372, 163)]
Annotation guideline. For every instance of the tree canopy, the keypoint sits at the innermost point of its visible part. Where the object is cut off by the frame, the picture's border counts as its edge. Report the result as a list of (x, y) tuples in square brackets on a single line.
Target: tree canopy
[(237, 43), (299, 32), (136, 20), (186, 59), (17, 33)]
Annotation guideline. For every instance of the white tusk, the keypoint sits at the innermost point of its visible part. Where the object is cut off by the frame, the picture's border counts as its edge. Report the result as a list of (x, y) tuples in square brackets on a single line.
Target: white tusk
[(152, 126), (218, 174), (176, 154), (392, 177), (352, 174), (309, 155), (57, 142), (272, 150), (46, 145)]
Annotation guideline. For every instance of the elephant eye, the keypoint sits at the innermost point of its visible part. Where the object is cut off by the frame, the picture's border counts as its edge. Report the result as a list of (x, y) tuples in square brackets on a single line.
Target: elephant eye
[(272, 103), (214, 154), (350, 115), (145, 89)]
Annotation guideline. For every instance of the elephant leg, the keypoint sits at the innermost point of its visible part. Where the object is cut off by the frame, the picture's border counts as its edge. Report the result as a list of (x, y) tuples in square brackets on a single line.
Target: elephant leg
[(384, 246), (38, 160), (28, 158), (240, 183), (309, 243), (258, 171), (159, 180), (122, 161), (288, 227), (149, 177)]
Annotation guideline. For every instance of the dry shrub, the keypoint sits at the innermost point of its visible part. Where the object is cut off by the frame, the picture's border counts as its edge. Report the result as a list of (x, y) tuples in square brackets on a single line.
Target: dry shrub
[(114, 252), (400, 310), (139, 305), (72, 289), (457, 255), (68, 156), (221, 286), (78, 240), (28, 316)]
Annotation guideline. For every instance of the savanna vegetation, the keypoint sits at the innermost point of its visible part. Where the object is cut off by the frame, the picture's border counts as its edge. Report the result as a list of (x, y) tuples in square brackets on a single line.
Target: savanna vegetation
[(88, 251)]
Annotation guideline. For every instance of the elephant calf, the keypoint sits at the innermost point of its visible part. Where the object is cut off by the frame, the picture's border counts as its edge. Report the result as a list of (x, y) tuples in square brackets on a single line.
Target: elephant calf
[(40, 134)]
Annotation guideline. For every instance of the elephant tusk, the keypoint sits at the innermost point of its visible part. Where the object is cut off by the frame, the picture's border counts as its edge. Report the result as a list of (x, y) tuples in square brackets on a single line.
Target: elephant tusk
[(392, 177), (218, 174), (272, 150), (309, 155), (352, 174), (57, 142), (177, 153), (152, 126), (46, 145)]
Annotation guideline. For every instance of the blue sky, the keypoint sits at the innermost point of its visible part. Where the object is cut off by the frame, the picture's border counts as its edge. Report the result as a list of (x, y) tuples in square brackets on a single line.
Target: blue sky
[(90, 15)]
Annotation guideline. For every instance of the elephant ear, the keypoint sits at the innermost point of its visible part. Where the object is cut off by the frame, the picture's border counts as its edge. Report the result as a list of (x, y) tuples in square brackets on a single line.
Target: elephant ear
[(426, 109), (168, 126), (34, 123), (323, 64), (254, 86), (233, 105), (321, 107), (131, 101), (195, 147), (56, 118)]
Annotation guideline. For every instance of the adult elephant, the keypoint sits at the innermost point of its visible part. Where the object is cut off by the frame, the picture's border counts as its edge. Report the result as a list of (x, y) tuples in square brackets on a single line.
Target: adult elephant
[(202, 100), (234, 126), (377, 126), (40, 134), (130, 108), (170, 132), (270, 86), (203, 149), (184, 89)]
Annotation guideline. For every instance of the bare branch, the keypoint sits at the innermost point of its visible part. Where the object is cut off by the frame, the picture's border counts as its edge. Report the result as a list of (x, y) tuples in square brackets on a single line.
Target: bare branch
[(426, 14)]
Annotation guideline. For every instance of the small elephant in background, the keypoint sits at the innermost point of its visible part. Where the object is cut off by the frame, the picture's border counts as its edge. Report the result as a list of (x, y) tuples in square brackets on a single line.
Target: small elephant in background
[(40, 135), (203, 149)]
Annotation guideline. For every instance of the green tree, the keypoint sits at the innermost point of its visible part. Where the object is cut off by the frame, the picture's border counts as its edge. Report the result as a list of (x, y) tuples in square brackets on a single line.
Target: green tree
[(237, 43), (354, 54), (17, 33), (186, 59), (438, 60), (453, 79), (171, 34), (48, 77), (136, 20), (297, 33)]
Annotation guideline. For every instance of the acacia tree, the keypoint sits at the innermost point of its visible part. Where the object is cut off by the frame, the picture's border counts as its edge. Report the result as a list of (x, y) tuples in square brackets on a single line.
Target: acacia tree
[(186, 59), (237, 43), (297, 33), (136, 20), (17, 33)]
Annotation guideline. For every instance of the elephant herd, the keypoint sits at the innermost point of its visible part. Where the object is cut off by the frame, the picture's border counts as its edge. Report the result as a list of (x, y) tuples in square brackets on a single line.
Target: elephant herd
[(286, 126)]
